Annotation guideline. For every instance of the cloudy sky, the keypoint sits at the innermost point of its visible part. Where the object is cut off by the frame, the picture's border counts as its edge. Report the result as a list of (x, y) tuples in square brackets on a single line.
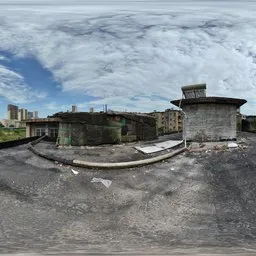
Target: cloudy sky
[(133, 57)]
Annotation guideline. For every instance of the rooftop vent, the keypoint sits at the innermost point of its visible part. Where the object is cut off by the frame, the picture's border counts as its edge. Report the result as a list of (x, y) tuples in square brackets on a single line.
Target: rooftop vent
[(194, 91)]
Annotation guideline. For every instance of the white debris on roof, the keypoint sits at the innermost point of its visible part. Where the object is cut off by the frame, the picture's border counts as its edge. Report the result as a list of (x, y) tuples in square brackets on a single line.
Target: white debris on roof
[(232, 145), (156, 147), (106, 183), (75, 172)]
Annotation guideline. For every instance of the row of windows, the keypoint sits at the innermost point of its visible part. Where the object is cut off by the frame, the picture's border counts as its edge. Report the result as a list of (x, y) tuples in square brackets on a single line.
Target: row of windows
[(53, 132)]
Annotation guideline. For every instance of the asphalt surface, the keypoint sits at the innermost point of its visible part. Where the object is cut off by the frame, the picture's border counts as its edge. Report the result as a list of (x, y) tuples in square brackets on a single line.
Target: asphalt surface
[(194, 201), (106, 153)]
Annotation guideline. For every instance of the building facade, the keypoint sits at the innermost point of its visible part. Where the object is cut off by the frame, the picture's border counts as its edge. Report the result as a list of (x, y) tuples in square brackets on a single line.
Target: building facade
[(12, 123), (84, 128), (35, 115), (12, 112), (209, 118), (43, 126), (74, 109), (22, 114), (168, 121), (30, 115)]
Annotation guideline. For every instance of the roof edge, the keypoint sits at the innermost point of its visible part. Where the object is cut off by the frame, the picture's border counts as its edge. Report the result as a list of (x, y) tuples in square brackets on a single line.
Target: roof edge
[(208, 100)]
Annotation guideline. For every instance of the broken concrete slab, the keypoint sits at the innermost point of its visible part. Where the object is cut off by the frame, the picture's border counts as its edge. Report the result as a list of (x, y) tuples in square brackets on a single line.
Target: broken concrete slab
[(157, 147)]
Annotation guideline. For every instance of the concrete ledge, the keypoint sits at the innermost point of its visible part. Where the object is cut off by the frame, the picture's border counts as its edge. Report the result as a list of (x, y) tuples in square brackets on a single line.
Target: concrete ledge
[(127, 164), (120, 165), (50, 157), (14, 143), (37, 140)]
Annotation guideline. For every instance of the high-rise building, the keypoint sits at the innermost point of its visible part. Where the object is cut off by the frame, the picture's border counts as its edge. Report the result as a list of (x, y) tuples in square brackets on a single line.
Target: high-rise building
[(74, 108), (30, 115), (22, 114), (12, 112), (91, 110), (25, 113), (35, 114)]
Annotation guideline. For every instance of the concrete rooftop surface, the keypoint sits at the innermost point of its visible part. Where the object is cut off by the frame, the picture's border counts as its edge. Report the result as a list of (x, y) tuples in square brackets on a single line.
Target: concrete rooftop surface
[(196, 202)]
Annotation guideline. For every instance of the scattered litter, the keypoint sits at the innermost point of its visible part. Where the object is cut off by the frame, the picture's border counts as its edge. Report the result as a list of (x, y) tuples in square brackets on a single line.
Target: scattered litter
[(216, 147), (133, 176), (75, 172), (225, 148), (60, 165), (232, 145), (106, 183), (243, 147), (56, 162), (172, 169)]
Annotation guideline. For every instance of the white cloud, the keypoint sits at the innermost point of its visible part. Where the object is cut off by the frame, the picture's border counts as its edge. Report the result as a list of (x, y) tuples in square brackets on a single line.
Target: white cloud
[(119, 55), (55, 107), (14, 89), (2, 58)]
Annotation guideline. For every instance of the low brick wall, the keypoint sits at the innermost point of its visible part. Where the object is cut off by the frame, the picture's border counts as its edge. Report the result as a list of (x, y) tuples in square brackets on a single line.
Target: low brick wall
[(13, 143)]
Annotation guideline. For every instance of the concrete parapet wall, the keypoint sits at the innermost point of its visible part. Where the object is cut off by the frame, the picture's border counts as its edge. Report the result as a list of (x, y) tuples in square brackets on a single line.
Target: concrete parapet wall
[(210, 122), (14, 143)]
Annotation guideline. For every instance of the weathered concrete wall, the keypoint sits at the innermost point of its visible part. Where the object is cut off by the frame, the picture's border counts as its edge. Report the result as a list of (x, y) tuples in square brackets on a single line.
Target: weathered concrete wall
[(79, 134), (249, 124), (78, 129), (210, 122), (14, 143)]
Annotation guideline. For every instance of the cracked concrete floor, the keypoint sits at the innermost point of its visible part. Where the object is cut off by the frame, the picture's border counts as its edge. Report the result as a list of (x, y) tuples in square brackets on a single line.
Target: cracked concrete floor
[(194, 200)]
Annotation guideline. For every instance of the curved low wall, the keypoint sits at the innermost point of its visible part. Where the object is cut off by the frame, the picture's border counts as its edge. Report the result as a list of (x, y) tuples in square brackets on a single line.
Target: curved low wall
[(96, 165), (13, 143)]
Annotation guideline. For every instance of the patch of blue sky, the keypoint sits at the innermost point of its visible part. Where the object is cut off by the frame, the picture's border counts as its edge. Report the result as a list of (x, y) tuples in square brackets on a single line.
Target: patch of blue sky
[(34, 74)]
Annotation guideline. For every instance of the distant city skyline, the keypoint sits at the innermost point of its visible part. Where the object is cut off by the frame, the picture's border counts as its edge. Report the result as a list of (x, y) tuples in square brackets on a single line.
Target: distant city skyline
[(15, 112), (132, 56)]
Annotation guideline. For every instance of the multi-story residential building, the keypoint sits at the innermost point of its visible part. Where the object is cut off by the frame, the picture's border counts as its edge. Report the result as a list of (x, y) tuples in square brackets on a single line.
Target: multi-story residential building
[(30, 115), (12, 112), (74, 109), (168, 121), (173, 120), (22, 114), (160, 121), (35, 114)]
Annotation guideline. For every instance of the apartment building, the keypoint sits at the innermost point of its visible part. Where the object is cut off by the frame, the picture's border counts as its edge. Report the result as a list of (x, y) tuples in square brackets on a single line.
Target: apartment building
[(74, 109), (35, 114), (168, 121), (22, 114), (173, 120), (30, 115), (12, 112)]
